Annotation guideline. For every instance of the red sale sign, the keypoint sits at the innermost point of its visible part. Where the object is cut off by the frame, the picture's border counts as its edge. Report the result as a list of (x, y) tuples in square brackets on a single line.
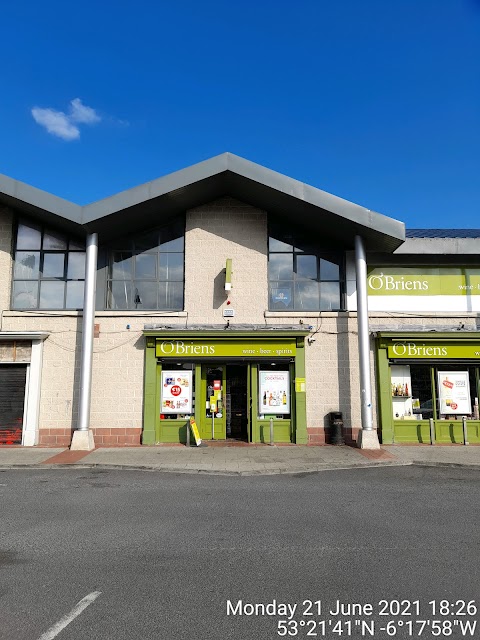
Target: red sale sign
[(176, 390)]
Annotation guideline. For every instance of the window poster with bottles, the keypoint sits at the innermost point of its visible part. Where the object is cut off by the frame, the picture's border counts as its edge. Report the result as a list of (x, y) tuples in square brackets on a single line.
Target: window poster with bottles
[(402, 402), (176, 392), (454, 392), (274, 392)]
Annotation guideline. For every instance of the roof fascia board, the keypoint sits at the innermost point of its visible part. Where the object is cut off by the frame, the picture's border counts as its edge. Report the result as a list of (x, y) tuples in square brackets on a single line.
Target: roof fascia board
[(321, 199), (439, 246), (41, 200), (159, 187), (359, 216)]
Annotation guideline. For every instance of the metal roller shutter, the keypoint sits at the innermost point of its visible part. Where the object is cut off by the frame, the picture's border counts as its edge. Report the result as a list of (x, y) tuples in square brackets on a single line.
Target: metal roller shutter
[(12, 396)]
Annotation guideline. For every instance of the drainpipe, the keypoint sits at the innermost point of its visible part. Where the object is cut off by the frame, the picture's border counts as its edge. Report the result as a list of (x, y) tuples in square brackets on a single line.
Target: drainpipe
[(83, 436), (367, 437)]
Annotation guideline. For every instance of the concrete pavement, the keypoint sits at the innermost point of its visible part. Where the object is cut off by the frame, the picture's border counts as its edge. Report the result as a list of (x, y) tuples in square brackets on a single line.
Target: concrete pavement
[(241, 460)]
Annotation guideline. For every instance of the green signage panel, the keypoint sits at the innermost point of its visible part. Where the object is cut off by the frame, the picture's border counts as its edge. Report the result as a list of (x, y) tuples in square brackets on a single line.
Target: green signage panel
[(411, 349), (423, 281), (214, 348)]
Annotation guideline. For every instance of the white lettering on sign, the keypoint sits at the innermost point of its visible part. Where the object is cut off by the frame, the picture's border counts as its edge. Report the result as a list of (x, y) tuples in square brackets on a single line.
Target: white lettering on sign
[(411, 349), (390, 283), (179, 348)]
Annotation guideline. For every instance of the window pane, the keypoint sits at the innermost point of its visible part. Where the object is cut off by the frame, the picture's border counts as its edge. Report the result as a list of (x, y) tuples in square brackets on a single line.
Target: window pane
[(307, 267), (28, 237), (329, 270), (170, 295), (76, 266), (278, 245), (145, 295), (74, 295), (52, 240), (120, 295), (122, 265), (421, 391), (146, 241), (51, 295), (306, 296), (171, 239), (171, 266), (53, 265), (26, 264), (75, 245), (145, 265), (281, 297), (25, 295), (330, 296), (280, 267)]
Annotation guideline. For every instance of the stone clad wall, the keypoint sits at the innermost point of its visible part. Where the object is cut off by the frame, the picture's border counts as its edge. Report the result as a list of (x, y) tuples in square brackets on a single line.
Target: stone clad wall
[(226, 228)]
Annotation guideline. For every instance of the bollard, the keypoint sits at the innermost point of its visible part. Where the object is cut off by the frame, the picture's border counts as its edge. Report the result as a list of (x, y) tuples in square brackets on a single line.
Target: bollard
[(188, 433), (271, 432), (432, 431), (465, 435)]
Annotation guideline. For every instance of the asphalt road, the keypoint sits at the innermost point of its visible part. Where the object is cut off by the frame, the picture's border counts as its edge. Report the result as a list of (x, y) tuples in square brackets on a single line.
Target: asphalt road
[(167, 551)]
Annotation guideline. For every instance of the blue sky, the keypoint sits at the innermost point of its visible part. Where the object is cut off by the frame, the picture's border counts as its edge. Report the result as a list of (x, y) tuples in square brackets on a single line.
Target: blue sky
[(376, 101)]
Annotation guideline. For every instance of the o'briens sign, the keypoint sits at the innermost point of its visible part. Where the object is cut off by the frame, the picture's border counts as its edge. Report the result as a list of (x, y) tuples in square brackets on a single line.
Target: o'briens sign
[(177, 348), (421, 281), (409, 349)]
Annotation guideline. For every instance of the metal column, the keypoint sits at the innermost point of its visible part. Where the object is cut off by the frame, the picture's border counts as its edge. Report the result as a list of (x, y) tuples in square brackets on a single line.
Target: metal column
[(87, 332), (363, 335)]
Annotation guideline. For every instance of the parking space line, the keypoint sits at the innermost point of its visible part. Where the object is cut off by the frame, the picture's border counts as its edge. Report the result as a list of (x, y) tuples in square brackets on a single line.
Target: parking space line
[(67, 619)]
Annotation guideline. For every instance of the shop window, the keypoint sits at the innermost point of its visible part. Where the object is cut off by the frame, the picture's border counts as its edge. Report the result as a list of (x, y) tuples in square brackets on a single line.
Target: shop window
[(49, 269), (412, 397), (445, 392), (302, 276), (147, 271)]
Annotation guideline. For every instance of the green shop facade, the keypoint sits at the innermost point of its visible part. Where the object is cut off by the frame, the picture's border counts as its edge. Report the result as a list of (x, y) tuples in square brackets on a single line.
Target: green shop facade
[(428, 386), (236, 384)]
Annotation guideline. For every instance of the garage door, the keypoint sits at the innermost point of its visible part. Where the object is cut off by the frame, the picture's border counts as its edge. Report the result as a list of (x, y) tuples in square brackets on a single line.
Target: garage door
[(12, 398)]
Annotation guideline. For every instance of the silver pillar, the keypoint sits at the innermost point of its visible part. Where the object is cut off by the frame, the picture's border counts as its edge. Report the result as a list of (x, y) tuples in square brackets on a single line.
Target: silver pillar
[(87, 332), (363, 335)]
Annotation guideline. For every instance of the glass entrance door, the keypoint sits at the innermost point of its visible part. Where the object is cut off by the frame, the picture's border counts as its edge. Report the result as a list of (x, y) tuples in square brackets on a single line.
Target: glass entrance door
[(213, 426), (226, 402), (238, 402)]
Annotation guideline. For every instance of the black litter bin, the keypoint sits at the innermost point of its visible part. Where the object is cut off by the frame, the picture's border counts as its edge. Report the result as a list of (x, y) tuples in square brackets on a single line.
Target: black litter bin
[(336, 427)]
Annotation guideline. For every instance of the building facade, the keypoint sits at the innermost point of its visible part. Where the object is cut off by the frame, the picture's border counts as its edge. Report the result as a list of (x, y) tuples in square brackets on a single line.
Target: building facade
[(231, 295)]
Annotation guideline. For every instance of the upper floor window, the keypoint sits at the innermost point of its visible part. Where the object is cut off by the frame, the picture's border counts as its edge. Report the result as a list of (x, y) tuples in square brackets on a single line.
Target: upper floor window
[(302, 276), (147, 271), (49, 269)]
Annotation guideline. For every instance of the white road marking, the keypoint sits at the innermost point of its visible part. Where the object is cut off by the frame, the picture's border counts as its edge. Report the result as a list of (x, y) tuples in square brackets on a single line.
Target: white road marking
[(74, 613)]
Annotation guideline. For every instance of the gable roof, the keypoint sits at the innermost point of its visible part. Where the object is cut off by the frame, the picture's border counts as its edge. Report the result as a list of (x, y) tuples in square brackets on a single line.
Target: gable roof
[(156, 202)]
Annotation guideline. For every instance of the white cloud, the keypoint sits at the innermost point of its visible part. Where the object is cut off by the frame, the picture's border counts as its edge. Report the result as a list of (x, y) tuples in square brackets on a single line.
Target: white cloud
[(64, 125), (81, 113), (56, 122)]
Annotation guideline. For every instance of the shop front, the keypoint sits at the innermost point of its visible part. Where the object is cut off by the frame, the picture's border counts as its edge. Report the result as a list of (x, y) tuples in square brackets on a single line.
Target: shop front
[(428, 387), (235, 385)]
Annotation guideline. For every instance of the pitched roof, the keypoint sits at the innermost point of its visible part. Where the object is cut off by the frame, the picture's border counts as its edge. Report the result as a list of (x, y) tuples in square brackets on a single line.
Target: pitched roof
[(155, 202)]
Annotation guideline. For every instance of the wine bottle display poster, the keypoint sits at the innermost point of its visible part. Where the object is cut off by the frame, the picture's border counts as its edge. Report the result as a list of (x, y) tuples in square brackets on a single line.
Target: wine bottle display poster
[(274, 392)]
